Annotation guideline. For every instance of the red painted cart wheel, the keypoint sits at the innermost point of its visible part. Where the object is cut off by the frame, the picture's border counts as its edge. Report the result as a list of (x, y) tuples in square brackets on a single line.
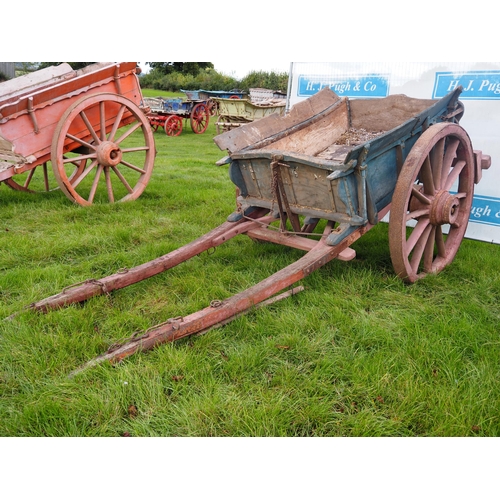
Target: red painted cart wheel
[(103, 150), (213, 107), (39, 180), (32, 182), (434, 192), (155, 121), (200, 116), (173, 126)]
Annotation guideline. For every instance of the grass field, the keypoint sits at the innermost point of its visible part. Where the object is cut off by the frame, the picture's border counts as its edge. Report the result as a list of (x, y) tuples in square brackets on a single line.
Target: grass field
[(358, 353)]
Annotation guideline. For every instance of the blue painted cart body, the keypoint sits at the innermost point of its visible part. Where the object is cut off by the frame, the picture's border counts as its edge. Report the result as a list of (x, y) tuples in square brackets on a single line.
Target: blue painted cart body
[(169, 113), (204, 95), (324, 174), (350, 162), (174, 106)]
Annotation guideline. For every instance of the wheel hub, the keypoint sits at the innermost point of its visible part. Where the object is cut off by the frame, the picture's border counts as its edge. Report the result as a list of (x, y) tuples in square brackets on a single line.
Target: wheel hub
[(444, 209), (109, 154)]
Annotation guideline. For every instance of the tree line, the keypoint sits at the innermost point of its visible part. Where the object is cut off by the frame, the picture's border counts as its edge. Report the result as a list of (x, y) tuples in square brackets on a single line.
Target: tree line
[(174, 76), (194, 76)]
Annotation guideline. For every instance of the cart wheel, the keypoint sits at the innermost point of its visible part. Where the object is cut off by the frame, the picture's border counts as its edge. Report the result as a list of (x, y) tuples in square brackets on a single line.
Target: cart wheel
[(173, 126), (38, 180), (223, 124), (434, 191), (200, 117), (154, 121), (213, 107), (98, 136), (32, 182)]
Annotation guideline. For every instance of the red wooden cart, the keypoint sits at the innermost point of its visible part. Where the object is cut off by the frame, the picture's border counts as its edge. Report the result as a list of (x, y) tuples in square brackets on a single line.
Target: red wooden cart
[(88, 124), (170, 113)]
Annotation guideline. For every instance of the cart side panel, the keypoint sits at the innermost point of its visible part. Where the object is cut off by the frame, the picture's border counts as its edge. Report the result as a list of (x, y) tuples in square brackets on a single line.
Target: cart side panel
[(382, 158), (231, 107), (307, 189), (258, 111), (375, 115), (274, 126), (117, 78), (20, 132), (20, 129), (314, 140), (12, 89)]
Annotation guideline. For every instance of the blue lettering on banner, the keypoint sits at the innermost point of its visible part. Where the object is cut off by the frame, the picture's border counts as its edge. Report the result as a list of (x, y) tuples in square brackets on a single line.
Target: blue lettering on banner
[(485, 210), (363, 86), (477, 85)]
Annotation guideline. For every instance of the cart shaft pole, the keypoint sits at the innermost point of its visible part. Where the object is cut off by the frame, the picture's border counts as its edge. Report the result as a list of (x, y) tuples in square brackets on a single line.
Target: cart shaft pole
[(92, 287)]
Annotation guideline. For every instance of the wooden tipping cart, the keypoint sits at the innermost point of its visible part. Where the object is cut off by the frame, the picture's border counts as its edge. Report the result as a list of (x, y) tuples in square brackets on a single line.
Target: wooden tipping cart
[(87, 123), (346, 162)]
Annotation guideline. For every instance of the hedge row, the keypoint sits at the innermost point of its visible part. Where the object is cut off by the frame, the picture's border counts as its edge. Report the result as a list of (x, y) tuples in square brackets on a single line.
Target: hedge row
[(210, 79)]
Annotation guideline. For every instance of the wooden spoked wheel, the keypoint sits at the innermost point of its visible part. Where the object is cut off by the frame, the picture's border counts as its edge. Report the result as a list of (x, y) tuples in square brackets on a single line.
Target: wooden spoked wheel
[(173, 126), (199, 119), (213, 107), (155, 121), (39, 179), (103, 150), (434, 195), (223, 124), (36, 180)]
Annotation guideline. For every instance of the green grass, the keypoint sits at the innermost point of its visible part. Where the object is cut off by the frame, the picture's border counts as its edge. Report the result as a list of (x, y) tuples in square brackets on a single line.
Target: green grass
[(358, 353)]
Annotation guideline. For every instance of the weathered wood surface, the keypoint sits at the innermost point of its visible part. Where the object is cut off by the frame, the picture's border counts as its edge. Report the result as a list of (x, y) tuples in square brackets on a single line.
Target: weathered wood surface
[(317, 123), (93, 287), (30, 112), (16, 87), (376, 115), (317, 137), (271, 126)]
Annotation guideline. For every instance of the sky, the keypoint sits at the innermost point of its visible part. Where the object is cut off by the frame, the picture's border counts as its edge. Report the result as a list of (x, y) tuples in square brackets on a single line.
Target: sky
[(263, 36)]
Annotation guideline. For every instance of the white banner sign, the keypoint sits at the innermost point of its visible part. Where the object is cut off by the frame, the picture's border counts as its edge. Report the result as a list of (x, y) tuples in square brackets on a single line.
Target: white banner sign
[(433, 80)]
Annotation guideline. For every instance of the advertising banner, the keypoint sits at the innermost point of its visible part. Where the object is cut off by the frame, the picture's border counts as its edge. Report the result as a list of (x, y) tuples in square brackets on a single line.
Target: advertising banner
[(426, 80)]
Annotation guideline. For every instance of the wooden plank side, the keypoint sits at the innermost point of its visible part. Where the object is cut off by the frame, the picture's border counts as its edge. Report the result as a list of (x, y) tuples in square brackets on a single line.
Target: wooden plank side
[(252, 133), (376, 115), (99, 76), (319, 136), (16, 87)]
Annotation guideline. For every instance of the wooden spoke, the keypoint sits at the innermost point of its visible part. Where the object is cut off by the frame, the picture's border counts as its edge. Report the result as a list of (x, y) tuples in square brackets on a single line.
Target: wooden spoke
[(436, 156), (35, 180), (116, 124)]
